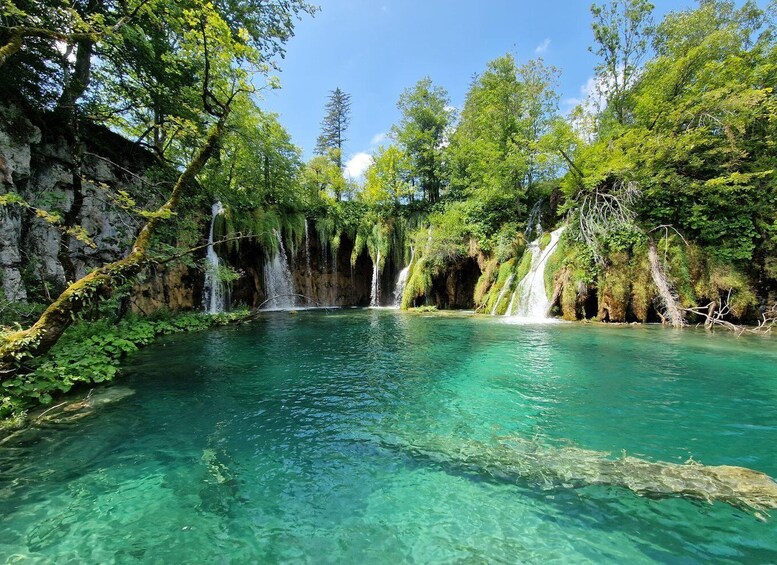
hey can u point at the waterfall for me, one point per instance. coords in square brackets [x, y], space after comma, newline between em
[277, 278]
[502, 293]
[214, 291]
[399, 290]
[308, 270]
[375, 292]
[534, 222]
[530, 296]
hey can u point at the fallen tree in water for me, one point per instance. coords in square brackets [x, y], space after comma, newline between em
[513, 459]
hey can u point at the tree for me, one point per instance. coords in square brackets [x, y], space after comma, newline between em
[333, 126]
[216, 53]
[323, 180]
[387, 180]
[426, 116]
[622, 31]
[497, 153]
[694, 161]
[259, 164]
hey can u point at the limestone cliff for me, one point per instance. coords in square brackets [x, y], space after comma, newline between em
[38, 258]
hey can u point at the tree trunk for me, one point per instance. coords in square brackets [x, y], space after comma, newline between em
[672, 311]
[11, 48]
[99, 284]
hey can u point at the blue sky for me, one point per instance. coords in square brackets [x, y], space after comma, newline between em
[374, 49]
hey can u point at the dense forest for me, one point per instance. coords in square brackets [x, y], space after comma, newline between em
[139, 115]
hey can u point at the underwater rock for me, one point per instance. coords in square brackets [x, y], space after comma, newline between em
[512, 459]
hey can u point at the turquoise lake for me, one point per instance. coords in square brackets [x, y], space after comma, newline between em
[281, 441]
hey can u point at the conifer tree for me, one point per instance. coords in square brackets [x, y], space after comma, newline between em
[333, 126]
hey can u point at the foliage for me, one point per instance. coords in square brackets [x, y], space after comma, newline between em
[388, 180]
[419, 283]
[423, 309]
[500, 150]
[622, 31]
[90, 353]
[421, 133]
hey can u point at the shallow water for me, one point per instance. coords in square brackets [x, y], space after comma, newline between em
[276, 442]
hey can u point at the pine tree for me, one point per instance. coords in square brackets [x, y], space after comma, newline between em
[333, 126]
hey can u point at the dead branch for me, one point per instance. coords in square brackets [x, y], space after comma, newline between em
[603, 213]
[666, 228]
[203, 246]
[715, 316]
[669, 309]
[310, 300]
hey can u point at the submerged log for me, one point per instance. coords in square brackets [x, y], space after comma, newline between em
[67, 412]
[513, 459]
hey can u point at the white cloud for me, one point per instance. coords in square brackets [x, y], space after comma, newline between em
[357, 164]
[378, 138]
[592, 100]
[591, 97]
[542, 47]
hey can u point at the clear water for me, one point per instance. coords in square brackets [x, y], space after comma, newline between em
[272, 443]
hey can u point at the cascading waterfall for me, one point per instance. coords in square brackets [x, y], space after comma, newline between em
[214, 292]
[530, 300]
[375, 292]
[534, 222]
[277, 278]
[502, 293]
[399, 290]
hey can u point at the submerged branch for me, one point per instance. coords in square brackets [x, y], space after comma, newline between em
[290, 295]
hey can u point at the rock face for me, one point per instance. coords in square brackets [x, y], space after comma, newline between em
[323, 275]
[455, 288]
[37, 163]
[37, 258]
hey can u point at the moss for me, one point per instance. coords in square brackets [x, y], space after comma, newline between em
[523, 267]
[683, 264]
[544, 241]
[419, 283]
[506, 269]
[16, 421]
[485, 281]
[569, 295]
[722, 282]
[615, 288]
[643, 290]
[552, 266]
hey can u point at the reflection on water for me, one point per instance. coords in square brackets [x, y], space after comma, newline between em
[270, 442]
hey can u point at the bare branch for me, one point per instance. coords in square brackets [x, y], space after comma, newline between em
[603, 213]
[715, 316]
